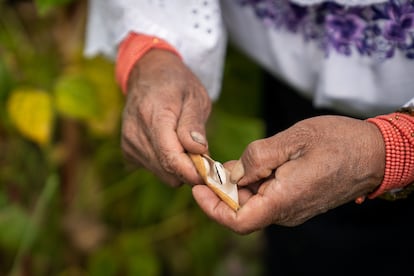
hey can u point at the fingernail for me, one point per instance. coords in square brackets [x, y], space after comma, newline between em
[237, 172]
[199, 138]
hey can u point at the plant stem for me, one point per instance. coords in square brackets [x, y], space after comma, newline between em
[38, 216]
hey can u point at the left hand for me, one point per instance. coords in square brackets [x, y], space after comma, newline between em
[166, 106]
[316, 165]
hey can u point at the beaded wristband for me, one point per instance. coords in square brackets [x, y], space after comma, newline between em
[131, 49]
[397, 130]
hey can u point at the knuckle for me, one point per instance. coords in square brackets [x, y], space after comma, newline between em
[304, 131]
[126, 138]
[132, 144]
[130, 156]
[171, 180]
[206, 105]
[138, 107]
[199, 97]
[254, 153]
[175, 183]
[143, 110]
[128, 130]
[167, 162]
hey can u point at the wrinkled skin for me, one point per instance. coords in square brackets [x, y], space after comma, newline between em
[316, 165]
[165, 103]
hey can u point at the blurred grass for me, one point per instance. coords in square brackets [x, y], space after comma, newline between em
[236, 116]
[241, 89]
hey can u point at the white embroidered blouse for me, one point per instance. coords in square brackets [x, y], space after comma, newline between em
[356, 56]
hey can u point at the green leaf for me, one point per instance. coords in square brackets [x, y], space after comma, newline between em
[31, 113]
[13, 222]
[144, 264]
[229, 134]
[76, 97]
[5, 80]
[101, 73]
[139, 255]
[45, 6]
[104, 262]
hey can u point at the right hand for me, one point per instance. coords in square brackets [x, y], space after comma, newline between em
[316, 165]
[166, 106]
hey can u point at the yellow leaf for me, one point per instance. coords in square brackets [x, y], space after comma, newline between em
[108, 99]
[76, 97]
[101, 73]
[31, 113]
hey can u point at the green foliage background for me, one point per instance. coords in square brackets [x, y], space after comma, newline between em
[69, 204]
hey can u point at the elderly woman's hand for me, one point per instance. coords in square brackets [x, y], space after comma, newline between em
[165, 114]
[316, 165]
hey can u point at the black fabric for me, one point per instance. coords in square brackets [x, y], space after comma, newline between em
[375, 238]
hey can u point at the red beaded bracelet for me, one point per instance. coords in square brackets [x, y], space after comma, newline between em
[131, 49]
[397, 130]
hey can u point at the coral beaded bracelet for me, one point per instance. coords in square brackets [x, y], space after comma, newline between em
[397, 130]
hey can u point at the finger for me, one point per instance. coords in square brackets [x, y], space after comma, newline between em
[131, 154]
[135, 144]
[253, 215]
[192, 120]
[171, 179]
[262, 157]
[237, 172]
[256, 213]
[211, 204]
[170, 152]
[229, 164]
[244, 195]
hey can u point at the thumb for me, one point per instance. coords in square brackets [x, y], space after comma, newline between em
[262, 157]
[191, 127]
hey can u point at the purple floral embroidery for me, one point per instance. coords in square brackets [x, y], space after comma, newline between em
[374, 30]
[344, 30]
